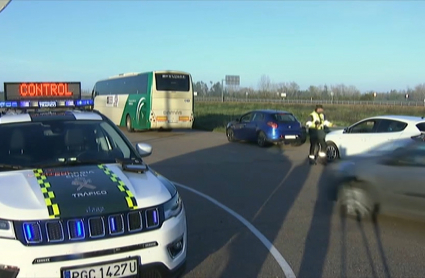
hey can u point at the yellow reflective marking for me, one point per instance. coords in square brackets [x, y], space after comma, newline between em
[49, 196]
[55, 209]
[131, 201]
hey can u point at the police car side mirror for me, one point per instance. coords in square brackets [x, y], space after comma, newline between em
[144, 149]
[345, 130]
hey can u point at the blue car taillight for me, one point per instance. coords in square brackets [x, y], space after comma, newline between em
[272, 124]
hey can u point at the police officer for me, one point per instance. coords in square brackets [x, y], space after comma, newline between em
[316, 129]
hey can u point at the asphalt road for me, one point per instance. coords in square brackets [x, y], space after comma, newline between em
[284, 198]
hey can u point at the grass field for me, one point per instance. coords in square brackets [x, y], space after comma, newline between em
[213, 116]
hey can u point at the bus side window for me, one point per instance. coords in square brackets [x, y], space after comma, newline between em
[100, 88]
[142, 83]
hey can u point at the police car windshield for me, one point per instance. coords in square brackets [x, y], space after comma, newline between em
[52, 142]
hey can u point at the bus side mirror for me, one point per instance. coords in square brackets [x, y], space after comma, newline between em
[3, 4]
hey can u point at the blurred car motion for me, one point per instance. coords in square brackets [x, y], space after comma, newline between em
[369, 133]
[385, 181]
[266, 127]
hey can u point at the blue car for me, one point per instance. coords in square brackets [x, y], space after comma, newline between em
[266, 127]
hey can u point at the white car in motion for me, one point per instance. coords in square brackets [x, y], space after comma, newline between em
[371, 132]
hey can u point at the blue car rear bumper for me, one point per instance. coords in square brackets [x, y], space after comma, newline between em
[293, 136]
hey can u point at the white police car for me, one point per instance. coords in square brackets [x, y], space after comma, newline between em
[77, 200]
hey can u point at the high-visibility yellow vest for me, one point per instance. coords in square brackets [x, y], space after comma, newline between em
[317, 117]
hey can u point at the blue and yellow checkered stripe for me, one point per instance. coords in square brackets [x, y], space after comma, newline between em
[49, 195]
[129, 197]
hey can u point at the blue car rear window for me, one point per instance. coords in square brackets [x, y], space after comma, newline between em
[284, 117]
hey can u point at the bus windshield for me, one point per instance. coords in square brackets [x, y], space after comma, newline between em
[172, 82]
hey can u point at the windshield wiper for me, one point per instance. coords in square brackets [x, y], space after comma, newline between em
[75, 162]
[128, 164]
[11, 167]
[132, 165]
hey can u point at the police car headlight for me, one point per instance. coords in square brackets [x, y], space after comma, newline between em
[6, 229]
[173, 207]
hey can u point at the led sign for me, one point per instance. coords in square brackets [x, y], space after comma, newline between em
[42, 90]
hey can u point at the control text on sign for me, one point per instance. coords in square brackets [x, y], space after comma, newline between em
[44, 90]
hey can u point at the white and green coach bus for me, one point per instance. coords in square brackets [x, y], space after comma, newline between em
[148, 100]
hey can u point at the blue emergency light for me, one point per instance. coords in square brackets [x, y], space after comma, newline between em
[28, 104]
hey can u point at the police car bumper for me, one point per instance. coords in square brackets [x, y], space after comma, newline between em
[162, 251]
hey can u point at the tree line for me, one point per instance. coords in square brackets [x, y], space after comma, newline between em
[291, 90]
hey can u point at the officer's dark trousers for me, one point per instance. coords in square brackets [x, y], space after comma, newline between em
[317, 138]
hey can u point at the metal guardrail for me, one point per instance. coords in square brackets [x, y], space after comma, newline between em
[307, 101]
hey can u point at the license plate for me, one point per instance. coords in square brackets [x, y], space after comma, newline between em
[122, 268]
[290, 137]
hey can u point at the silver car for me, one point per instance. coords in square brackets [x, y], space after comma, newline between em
[389, 181]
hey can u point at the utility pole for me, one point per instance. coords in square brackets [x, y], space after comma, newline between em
[222, 90]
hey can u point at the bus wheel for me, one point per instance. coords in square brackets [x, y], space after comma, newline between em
[128, 124]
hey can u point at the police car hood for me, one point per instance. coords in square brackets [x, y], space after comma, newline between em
[77, 191]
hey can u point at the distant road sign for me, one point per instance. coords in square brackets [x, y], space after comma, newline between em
[3, 4]
[233, 80]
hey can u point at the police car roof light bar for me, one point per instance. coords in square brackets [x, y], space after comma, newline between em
[49, 104]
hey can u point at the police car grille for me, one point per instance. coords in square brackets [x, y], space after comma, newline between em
[76, 229]
[32, 232]
[54, 231]
[116, 224]
[152, 218]
[96, 227]
[134, 221]
[87, 229]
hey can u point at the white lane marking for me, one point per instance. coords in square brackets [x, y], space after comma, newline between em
[287, 270]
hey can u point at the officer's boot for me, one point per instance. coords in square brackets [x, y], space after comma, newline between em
[322, 158]
[312, 159]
